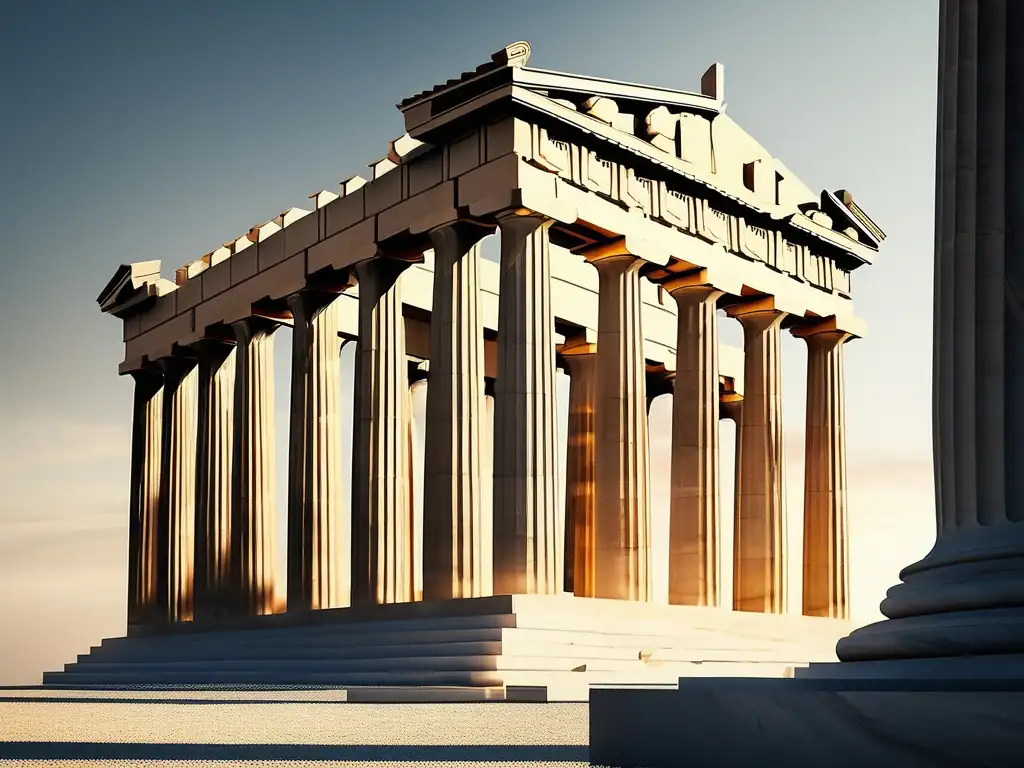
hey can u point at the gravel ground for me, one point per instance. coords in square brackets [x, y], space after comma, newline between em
[251, 732]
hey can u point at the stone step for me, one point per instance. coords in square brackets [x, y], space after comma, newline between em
[464, 663]
[515, 643]
[312, 631]
[555, 685]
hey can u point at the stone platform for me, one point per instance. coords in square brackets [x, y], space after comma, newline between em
[520, 647]
[945, 712]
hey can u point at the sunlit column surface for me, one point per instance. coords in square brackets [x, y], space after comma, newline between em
[381, 524]
[759, 569]
[581, 361]
[525, 505]
[144, 555]
[178, 486]
[315, 508]
[622, 525]
[693, 568]
[253, 499]
[214, 557]
[826, 562]
[452, 541]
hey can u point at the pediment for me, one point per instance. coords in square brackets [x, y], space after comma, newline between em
[685, 132]
[847, 213]
[130, 288]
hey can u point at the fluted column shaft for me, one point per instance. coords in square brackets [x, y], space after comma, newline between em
[964, 598]
[622, 507]
[417, 395]
[453, 461]
[144, 555]
[525, 482]
[693, 567]
[487, 503]
[382, 537]
[826, 566]
[178, 489]
[317, 577]
[252, 497]
[580, 497]
[759, 580]
[214, 455]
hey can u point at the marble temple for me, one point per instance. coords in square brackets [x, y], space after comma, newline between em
[629, 217]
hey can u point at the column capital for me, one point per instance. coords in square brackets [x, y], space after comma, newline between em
[695, 285]
[473, 230]
[630, 249]
[822, 329]
[522, 221]
[757, 314]
[307, 303]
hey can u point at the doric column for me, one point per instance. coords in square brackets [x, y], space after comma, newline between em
[252, 487]
[315, 510]
[144, 554]
[622, 505]
[759, 572]
[452, 463]
[581, 361]
[525, 466]
[417, 400]
[826, 565]
[693, 566]
[178, 486]
[214, 454]
[487, 492]
[965, 597]
[381, 525]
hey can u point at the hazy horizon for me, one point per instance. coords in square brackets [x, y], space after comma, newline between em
[139, 133]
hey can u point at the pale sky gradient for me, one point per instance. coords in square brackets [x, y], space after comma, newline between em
[136, 131]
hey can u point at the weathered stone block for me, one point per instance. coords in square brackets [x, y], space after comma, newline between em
[243, 265]
[426, 171]
[216, 279]
[345, 248]
[270, 251]
[298, 236]
[383, 192]
[346, 211]
[163, 309]
[190, 293]
[464, 154]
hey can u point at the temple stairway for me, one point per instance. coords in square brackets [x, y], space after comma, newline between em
[527, 647]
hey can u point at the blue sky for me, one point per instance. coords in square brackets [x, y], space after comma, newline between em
[136, 131]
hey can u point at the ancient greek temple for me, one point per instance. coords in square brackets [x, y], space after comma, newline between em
[628, 216]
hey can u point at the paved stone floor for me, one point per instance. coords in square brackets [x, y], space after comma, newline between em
[226, 730]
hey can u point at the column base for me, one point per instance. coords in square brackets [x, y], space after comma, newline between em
[965, 598]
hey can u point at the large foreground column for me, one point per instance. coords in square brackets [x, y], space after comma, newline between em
[966, 597]
[693, 565]
[381, 519]
[455, 408]
[759, 580]
[252, 498]
[178, 487]
[214, 557]
[314, 457]
[580, 498]
[144, 554]
[525, 505]
[826, 566]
